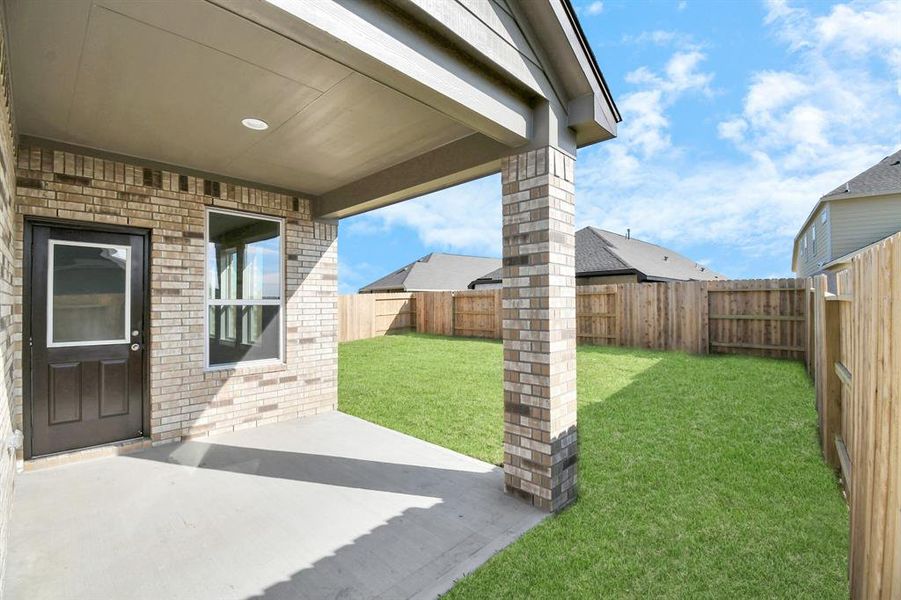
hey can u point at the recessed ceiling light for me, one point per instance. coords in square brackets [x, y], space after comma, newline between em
[253, 123]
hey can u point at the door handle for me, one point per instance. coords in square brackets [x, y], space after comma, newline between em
[135, 347]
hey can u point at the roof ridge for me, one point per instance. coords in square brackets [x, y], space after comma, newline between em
[845, 188]
[464, 255]
[632, 238]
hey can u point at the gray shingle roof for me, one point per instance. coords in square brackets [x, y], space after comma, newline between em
[655, 262]
[599, 251]
[436, 271]
[595, 254]
[882, 178]
[493, 277]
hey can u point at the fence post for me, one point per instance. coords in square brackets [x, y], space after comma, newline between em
[810, 324]
[453, 304]
[704, 319]
[372, 300]
[498, 315]
[828, 385]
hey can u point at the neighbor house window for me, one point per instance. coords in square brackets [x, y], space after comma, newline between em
[813, 238]
[244, 288]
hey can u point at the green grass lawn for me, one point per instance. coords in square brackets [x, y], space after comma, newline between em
[699, 476]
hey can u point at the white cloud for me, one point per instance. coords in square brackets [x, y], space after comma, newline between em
[857, 28]
[733, 130]
[595, 8]
[646, 126]
[682, 72]
[462, 218]
[771, 90]
[681, 4]
[663, 37]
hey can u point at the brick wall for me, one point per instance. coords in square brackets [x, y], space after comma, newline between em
[7, 375]
[186, 400]
[539, 327]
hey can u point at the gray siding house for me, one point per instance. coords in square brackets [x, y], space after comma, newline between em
[854, 215]
[606, 257]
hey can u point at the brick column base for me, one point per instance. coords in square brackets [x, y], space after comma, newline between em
[539, 322]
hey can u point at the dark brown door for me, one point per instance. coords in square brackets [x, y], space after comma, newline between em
[87, 338]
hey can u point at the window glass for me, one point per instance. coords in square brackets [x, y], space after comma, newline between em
[243, 288]
[243, 258]
[88, 294]
[243, 333]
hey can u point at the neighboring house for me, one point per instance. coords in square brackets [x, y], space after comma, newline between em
[606, 257]
[851, 217]
[434, 272]
[190, 162]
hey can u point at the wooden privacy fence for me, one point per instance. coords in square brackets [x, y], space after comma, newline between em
[761, 317]
[362, 316]
[855, 359]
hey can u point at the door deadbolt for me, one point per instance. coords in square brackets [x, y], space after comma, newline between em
[135, 333]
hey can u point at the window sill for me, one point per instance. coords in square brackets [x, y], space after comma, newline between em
[248, 368]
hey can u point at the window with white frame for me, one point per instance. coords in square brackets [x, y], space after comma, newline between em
[244, 288]
[813, 238]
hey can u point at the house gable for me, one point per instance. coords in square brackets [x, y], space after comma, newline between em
[859, 212]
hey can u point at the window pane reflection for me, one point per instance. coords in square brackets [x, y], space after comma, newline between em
[89, 293]
[243, 333]
[243, 261]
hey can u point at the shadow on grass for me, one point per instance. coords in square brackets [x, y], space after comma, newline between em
[699, 476]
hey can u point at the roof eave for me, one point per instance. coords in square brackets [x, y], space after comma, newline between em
[589, 106]
[609, 272]
[585, 47]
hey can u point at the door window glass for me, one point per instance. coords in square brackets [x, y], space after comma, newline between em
[88, 294]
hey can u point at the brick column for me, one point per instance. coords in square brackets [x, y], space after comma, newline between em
[539, 321]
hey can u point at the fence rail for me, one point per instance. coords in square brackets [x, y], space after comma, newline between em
[855, 359]
[762, 317]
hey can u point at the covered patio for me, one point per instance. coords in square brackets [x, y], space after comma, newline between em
[173, 176]
[322, 507]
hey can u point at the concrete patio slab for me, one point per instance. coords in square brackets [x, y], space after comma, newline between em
[324, 507]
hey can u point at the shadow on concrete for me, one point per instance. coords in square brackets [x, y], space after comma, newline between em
[451, 520]
[322, 469]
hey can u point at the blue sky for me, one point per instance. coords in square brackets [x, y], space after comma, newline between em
[737, 117]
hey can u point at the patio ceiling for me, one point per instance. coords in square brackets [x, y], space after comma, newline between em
[367, 103]
[173, 85]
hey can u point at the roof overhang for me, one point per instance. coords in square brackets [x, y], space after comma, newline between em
[368, 103]
[592, 113]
